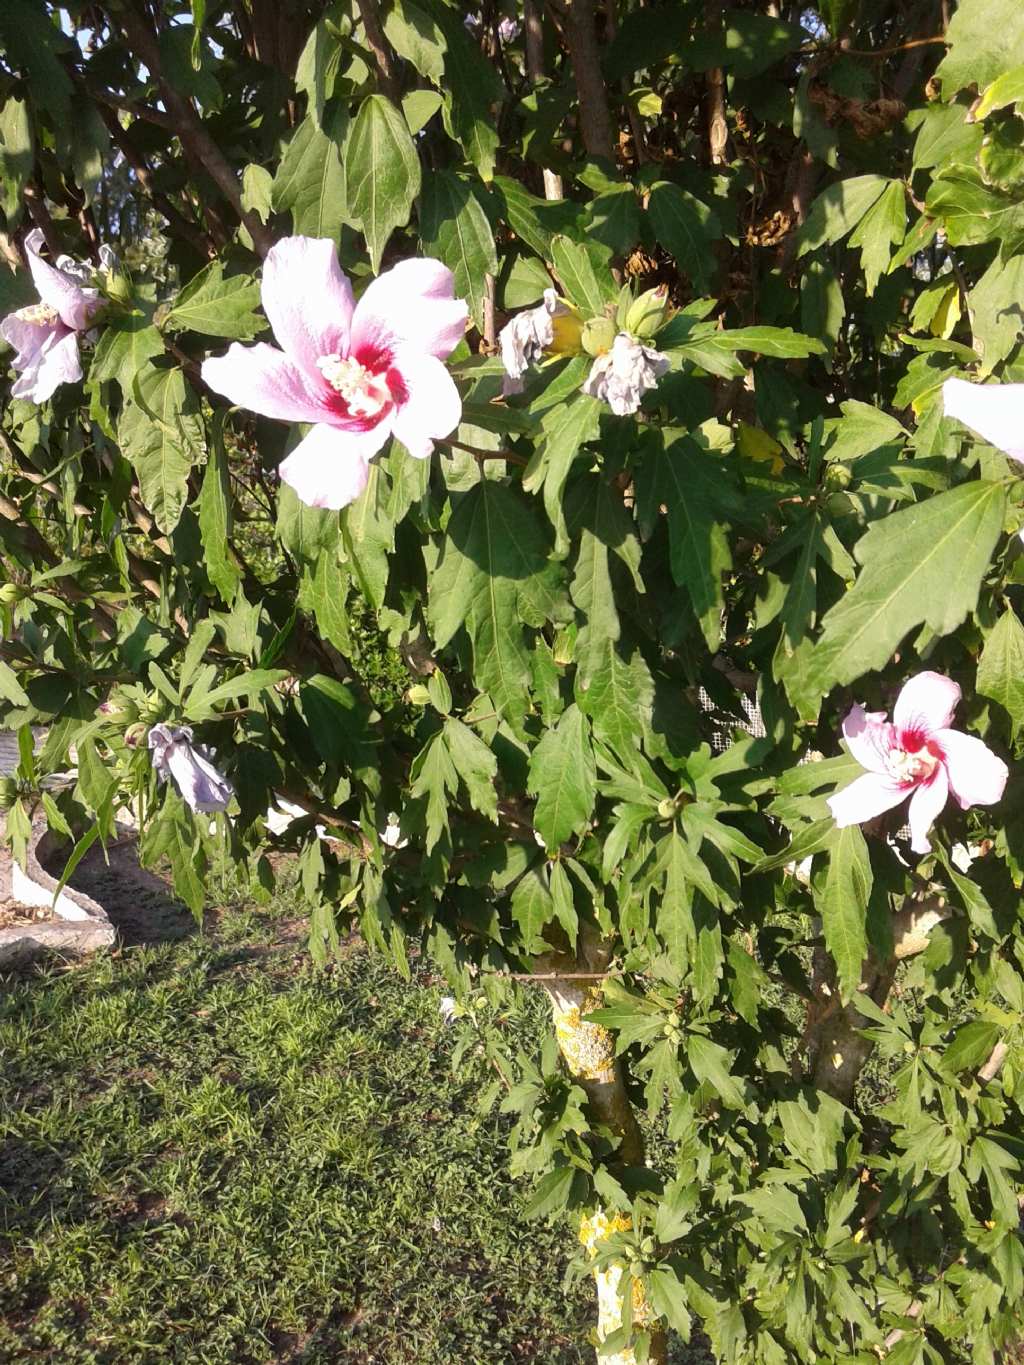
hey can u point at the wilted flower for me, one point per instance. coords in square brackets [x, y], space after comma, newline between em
[625, 373]
[508, 30]
[201, 786]
[994, 411]
[391, 834]
[45, 334]
[917, 755]
[359, 372]
[449, 1008]
[524, 340]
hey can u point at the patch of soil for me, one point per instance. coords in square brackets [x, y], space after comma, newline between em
[140, 905]
[13, 914]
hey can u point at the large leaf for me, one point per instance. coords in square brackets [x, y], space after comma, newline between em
[921, 565]
[986, 39]
[843, 905]
[382, 172]
[838, 209]
[563, 778]
[565, 428]
[218, 307]
[687, 228]
[310, 181]
[454, 227]
[494, 575]
[162, 435]
[1001, 667]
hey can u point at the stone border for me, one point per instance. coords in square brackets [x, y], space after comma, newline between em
[79, 925]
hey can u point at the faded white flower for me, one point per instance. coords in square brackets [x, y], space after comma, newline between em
[448, 1008]
[524, 339]
[508, 30]
[625, 373]
[391, 834]
[202, 787]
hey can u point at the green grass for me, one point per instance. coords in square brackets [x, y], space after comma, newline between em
[212, 1151]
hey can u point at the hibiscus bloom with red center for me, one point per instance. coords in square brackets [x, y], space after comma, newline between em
[916, 755]
[358, 372]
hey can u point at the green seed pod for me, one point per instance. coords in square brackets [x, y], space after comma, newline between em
[838, 477]
[598, 335]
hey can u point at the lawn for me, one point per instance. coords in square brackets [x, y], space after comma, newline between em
[213, 1151]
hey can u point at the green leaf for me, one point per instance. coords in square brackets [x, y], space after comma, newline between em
[746, 43]
[923, 564]
[16, 156]
[676, 927]
[843, 905]
[687, 228]
[562, 902]
[973, 213]
[382, 173]
[31, 41]
[534, 221]
[838, 209]
[552, 1193]
[471, 89]
[863, 428]
[585, 272]
[127, 343]
[249, 684]
[971, 1046]
[781, 342]
[216, 519]
[435, 779]
[1001, 667]
[494, 574]
[668, 1298]
[532, 909]
[986, 38]
[476, 765]
[882, 227]
[218, 307]
[565, 428]
[712, 1065]
[1006, 89]
[454, 227]
[10, 688]
[995, 326]
[563, 778]
[162, 434]
[328, 588]
[310, 181]
[415, 36]
[419, 107]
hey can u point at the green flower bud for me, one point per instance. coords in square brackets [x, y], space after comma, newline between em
[648, 313]
[11, 593]
[8, 792]
[598, 335]
[666, 808]
[838, 477]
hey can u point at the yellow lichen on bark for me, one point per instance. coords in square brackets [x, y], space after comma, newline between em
[588, 1048]
[596, 1228]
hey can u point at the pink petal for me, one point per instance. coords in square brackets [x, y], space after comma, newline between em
[976, 776]
[866, 797]
[307, 299]
[432, 408]
[53, 363]
[869, 738]
[264, 380]
[994, 411]
[926, 805]
[413, 304]
[73, 303]
[329, 467]
[926, 703]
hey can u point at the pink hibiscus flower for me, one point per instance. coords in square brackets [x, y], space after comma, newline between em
[359, 372]
[919, 756]
[45, 334]
[994, 411]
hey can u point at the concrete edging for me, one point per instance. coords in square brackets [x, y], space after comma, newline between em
[79, 924]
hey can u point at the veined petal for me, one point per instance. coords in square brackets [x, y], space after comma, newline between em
[264, 380]
[866, 797]
[926, 703]
[73, 302]
[976, 775]
[413, 304]
[308, 299]
[54, 363]
[926, 806]
[432, 407]
[869, 738]
[329, 468]
[994, 411]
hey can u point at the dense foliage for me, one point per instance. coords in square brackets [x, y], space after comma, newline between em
[630, 633]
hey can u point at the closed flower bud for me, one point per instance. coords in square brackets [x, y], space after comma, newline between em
[838, 477]
[649, 313]
[8, 792]
[11, 593]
